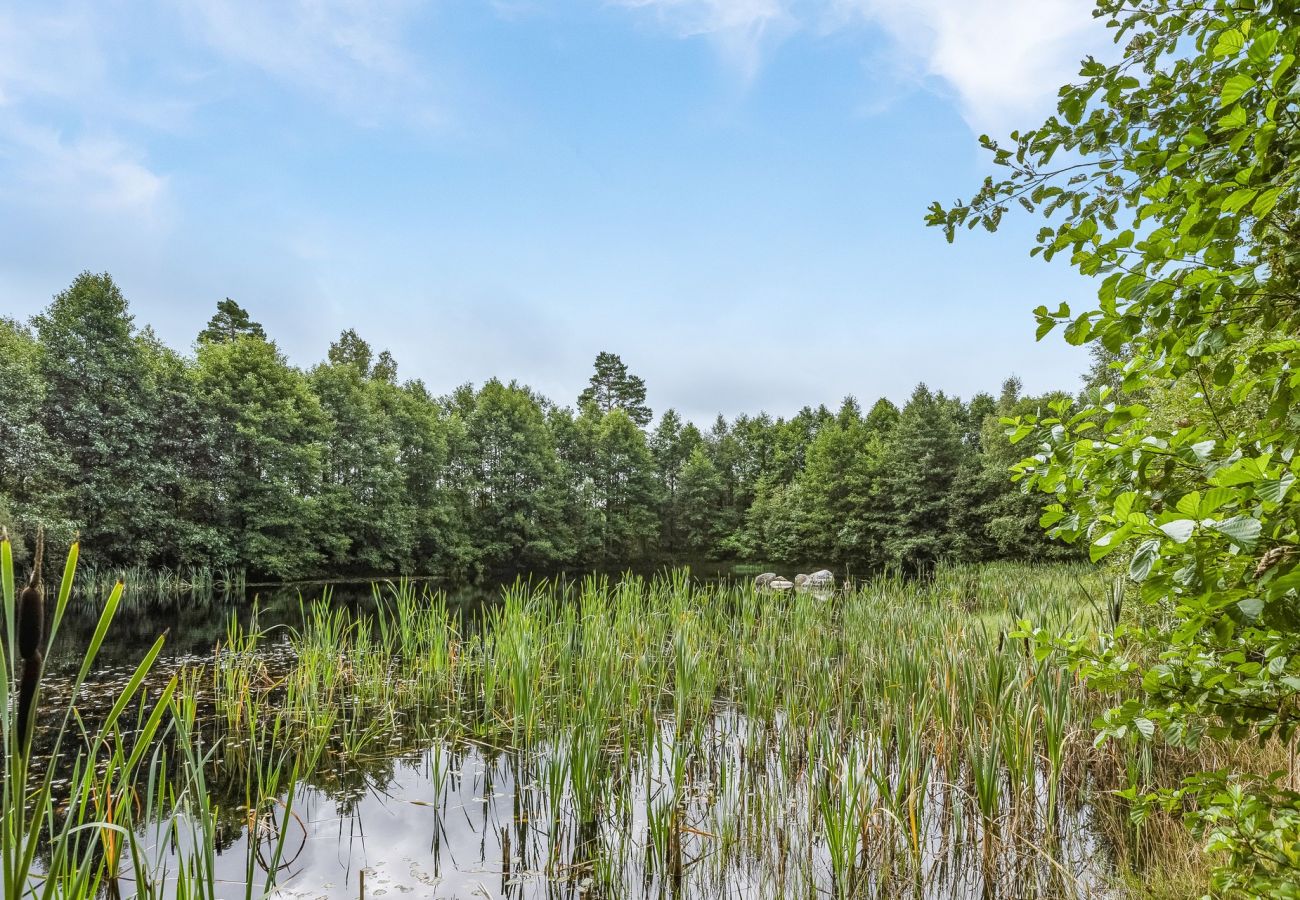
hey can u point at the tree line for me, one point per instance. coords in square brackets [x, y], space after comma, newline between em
[231, 457]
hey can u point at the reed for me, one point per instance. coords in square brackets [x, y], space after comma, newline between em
[682, 736]
[83, 790]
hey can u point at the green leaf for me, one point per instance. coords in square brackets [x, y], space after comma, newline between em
[1262, 47]
[1241, 530]
[1229, 42]
[1234, 88]
[1077, 331]
[1179, 530]
[1107, 544]
[1251, 606]
[1265, 203]
[1238, 199]
[1139, 567]
[1124, 504]
[1275, 490]
[1237, 118]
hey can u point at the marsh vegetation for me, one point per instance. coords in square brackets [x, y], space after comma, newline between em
[612, 737]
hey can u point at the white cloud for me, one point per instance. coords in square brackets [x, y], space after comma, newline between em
[61, 152]
[93, 173]
[350, 51]
[741, 29]
[1002, 59]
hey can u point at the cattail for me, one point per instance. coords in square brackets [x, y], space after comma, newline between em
[31, 632]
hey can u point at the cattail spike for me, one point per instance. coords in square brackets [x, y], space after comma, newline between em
[31, 633]
[27, 685]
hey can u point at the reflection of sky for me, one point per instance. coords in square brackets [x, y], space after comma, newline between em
[450, 824]
[466, 821]
[410, 839]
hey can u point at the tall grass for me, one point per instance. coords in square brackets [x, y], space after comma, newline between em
[92, 802]
[679, 736]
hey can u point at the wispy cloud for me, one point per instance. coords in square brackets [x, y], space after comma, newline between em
[60, 147]
[1002, 59]
[94, 173]
[742, 30]
[353, 53]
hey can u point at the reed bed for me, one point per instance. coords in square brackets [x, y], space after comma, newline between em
[667, 737]
[196, 584]
[104, 798]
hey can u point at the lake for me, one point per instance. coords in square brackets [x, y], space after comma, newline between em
[671, 736]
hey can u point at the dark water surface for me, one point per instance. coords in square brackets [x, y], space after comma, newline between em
[194, 625]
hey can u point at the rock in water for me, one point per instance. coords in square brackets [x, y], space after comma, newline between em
[764, 580]
[780, 584]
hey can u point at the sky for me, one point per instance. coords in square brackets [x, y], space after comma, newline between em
[729, 194]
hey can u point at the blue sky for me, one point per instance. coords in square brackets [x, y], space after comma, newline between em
[728, 193]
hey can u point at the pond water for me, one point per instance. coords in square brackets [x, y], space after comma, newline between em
[194, 625]
[481, 818]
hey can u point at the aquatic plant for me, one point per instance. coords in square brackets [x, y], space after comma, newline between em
[84, 787]
[695, 737]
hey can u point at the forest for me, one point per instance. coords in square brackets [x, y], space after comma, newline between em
[231, 457]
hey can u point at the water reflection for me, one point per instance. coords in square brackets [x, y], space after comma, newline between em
[730, 809]
[475, 821]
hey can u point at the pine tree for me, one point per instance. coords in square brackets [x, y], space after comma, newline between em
[229, 322]
[613, 387]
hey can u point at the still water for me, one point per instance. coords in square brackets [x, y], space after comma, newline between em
[472, 819]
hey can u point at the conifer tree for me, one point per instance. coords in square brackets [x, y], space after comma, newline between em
[230, 321]
[613, 387]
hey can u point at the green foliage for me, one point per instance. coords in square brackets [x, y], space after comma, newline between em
[613, 387]
[919, 471]
[234, 459]
[229, 322]
[671, 445]
[267, 430]
[627, 491]
[700, 494]
[363, 500]
[33, 466]
[105, 420]
[1178, 186]
[514, 479]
